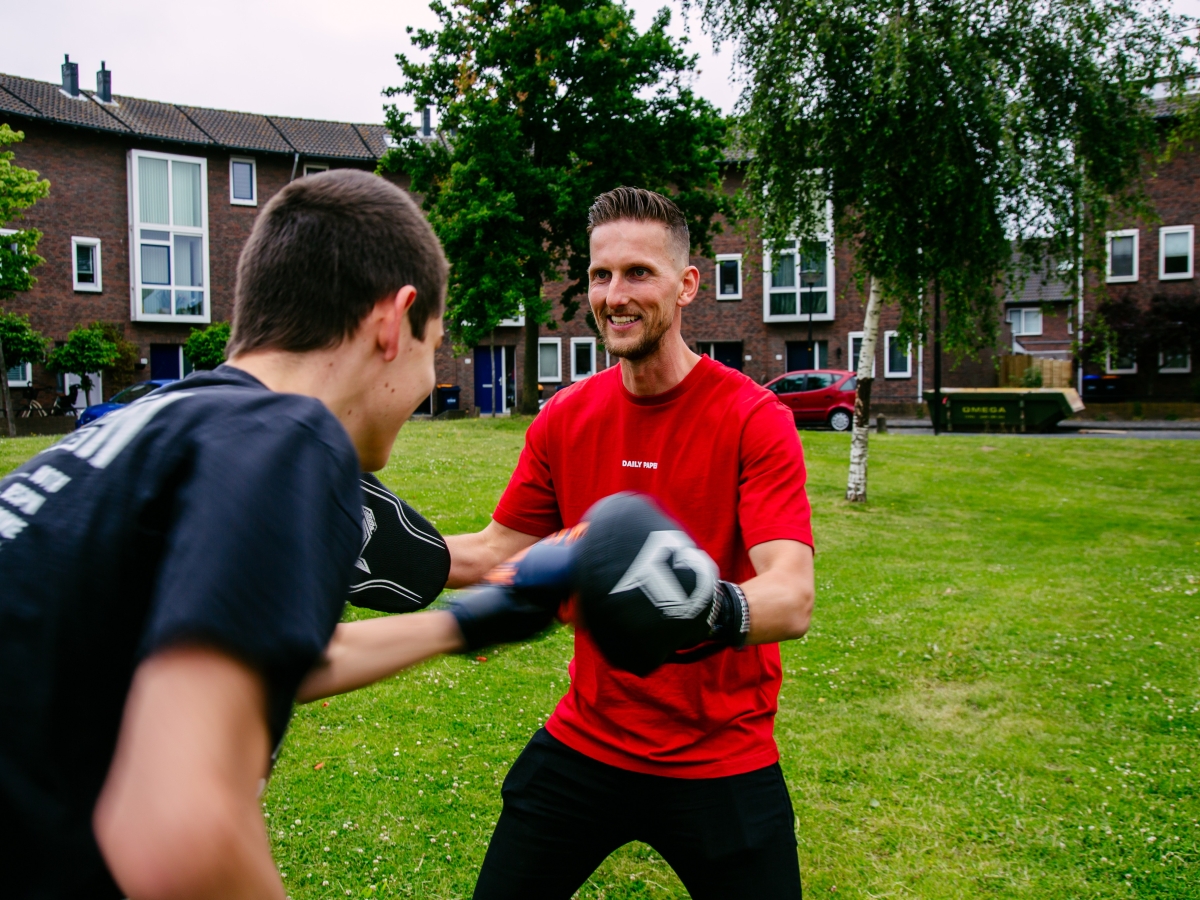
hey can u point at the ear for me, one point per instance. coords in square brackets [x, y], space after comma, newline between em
[689, 286]
[392, 314]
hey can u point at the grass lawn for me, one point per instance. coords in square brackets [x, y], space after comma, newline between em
[1000, 695]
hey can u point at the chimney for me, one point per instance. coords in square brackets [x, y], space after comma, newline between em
[104, 84]
[426, 122]
[70, 76]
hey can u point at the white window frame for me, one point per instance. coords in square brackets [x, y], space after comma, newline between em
[516, 321]
[1174, 370]
[830, 286]
[888, 337]
[1108, 239]
[94, 243]
[135, 227]
[314, 168]
[1022, 310]
[1190, 231]
[22, 382]
[575, 342]
[249, 160]
[850, 339]
[557, 344]
[728, 257]
[1109, 370]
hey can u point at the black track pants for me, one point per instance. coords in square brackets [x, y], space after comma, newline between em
[564, 813]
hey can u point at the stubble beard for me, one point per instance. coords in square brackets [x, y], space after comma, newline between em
[653, 332]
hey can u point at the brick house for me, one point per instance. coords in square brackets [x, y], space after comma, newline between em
[151, 203]
[149, 206]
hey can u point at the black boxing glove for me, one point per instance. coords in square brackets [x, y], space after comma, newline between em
[647, 592]
[519, 597]
[404, 562]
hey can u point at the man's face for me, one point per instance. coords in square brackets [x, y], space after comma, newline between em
[634, 286]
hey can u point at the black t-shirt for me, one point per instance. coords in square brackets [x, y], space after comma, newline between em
[211, 511]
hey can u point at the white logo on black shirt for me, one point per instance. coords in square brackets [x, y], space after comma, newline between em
[103, 440]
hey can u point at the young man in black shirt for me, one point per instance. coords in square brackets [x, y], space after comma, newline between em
[172, 576]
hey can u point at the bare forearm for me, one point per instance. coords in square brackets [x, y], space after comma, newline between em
[178, 817]
[780, 598]
[473, 555]
[361, 653]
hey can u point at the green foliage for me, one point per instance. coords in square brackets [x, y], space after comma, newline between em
[128, 353]
[542, 106]
[941, 131]
[1031, 378]
[206, 347]
[1007, 710]
[20, 342]
[19, 189]
[87, 349]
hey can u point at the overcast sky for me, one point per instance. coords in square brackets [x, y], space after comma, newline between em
[308, 58]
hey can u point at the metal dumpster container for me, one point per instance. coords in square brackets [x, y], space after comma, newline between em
[1004, 409]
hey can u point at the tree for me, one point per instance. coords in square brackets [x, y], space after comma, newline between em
[19, 190]
[19, 344]
[88, 349]
[940, 133]
[543, 104]
[206, 347]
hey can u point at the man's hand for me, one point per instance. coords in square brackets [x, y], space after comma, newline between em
[179, 816]
[472, 556]
[649, 595]
[520, 596]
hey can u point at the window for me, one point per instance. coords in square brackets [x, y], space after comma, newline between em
[550, 359]
[169, 251]
[1122, 361]
[20, 376]
[729, 276]
[1123, 255]
[314, 168]
[792, 384]
[856, 342]
[583, 358]
[85, 263]
[243, 181]
[899, 357]
[1025, 321]
[1175, 252]
[800, 283]
[1176, 361]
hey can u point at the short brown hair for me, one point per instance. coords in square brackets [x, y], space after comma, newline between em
[323, 252]
[642, 205]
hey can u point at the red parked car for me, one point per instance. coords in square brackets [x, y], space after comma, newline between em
[818, 396]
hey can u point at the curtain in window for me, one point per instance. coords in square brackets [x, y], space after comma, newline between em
[897, 356]
[152, 190]
[243, 181]
[186, 193]
[189, 264]
[548, 361]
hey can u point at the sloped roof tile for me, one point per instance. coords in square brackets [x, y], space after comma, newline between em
[194, 124]
[147, 118]
[335, 140]
[51, 103]
[239, 130]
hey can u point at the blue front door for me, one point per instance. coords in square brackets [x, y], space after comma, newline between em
[489, 374]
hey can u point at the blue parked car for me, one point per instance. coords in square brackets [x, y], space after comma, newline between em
[131, 393]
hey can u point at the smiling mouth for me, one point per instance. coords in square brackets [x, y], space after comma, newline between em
[623, 320]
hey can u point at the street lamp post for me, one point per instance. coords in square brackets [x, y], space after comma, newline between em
[808, 278]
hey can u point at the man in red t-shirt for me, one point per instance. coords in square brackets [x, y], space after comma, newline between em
[683, 759]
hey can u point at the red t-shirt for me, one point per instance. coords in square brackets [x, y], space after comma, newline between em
[721, 455]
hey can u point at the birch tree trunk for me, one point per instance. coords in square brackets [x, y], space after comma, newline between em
[856, 486]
